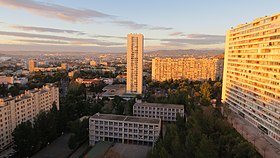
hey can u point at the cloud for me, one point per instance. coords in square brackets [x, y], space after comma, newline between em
[108, 36]
[54, 11]
[195, 39]
[130, 24]
[123, 37]
[160, 28]
[136, 26]
[42, 41]
[72, 14]
[60, 38]
[177, 34]
[44, 29]
[60, 48]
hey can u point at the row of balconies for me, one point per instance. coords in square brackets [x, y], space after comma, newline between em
[257, 116]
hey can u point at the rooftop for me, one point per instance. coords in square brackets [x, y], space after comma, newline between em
[126, 118]
[115, 89]
[159, 105]
[255, 22]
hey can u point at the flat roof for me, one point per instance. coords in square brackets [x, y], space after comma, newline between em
[112, 90]
[125, 118]
[178, 106]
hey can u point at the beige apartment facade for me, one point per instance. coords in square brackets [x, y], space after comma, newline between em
[166, 112]
[135, 47]
[251, 82]
[22, 108]
[186, 68]
[123, 129]
[32, 65]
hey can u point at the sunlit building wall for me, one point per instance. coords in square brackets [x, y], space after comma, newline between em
[186, 68]
[251, 82]
[135, 46]
[32, 65]
[25, 107]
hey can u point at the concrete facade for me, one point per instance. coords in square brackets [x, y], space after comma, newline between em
[166, 112]
[251, 82]
[135, 48]
[123, 129]
[22, 108]
[186, 68]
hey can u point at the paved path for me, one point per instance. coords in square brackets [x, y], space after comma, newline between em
[80, 151]
[263, 143]
[7, 152]
[57, 149]
[130, 150]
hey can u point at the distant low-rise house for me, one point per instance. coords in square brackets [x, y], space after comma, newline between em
[121, 78]
[6, 80]
[21, 80]
[108, 80]
[13, 80]
[87, 82]
[73, 73]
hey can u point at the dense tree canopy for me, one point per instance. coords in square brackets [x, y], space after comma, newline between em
[206, 133]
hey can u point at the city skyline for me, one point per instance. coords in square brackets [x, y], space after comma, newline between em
[87, 25]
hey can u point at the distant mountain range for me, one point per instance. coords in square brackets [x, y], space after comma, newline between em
[212, 52]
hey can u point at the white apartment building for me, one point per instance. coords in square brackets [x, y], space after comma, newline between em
[135, 47]
[166, 112]
[25, 107]
[123, 129]
[186, 68]
[251, 82]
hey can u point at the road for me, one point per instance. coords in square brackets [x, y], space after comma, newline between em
[57, 149]
[263, 143]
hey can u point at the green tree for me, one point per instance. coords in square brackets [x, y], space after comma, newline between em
[25, 139]
[206, 148]
[205, 94]
[79, 130]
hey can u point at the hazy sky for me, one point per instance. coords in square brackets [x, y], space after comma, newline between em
[102, 25]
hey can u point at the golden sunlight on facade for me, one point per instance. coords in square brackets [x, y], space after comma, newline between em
[135, 47]
[186, 68]
[251, 82]
[25, 107]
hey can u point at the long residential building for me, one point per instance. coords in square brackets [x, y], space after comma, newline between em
[166, 112]
[251, 82]
[186, 68]
[123, 129]
[135, 48]
[25, 107]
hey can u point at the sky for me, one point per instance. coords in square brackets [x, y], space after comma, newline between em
[102, 25]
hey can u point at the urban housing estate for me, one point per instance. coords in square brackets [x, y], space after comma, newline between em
[25, 107]
[166, 112]
[186, 68]
[123, 129]
[251, 82]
